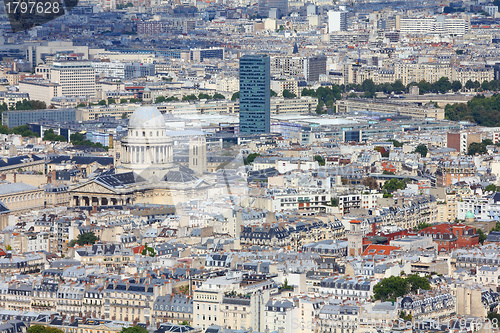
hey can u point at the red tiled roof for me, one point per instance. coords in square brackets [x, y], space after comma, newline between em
[383, 250]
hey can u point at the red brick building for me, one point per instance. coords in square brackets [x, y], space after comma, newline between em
[451, 236]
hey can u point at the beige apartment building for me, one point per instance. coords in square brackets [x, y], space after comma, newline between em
[21, 197]
[76, 78]
[40, 90]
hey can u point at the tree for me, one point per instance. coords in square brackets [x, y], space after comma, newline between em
[50, 135]
[334, 202]
[102, 102]
[111, 101]
[123, 100]
[390, 288]
[250, 158]
[160, 99]
[184, 323]
[172, 99]
[134, 329]
[288, 94]
[396, 286]
[189, 98]
[421, 149]
[369, 88]
[235, 96]
[395, 184]
[396, 143]
[218, 96]
[491, 188]
[385, 172]
[204, 96]
[469, 85]
[422, 225]
[75, 137]
[482, 236]
[476, 148]
[273, 93]
[43, 329]
[87, 238]
[442, 85]
[485, 86]
[124, 115]
[320, 160]
[398, 86]
[416, 282]
[370, 182]
[456, 86]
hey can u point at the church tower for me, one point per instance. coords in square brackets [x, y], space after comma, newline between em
[198, 154]
[355, 239]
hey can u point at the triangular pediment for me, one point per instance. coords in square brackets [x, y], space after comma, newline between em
[93, 187]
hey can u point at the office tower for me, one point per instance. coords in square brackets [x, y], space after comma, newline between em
[266, 5]
[337, 21]
[255, 99]
[314, 67]
[76, 78]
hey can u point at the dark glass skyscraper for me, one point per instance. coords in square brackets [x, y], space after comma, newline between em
[255, 98]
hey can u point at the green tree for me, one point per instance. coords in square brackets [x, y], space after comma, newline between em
[416, 282]
[482, 235]
[250, 158]
[395, 184]
[320, 159]
[87, 238]
[288, 94]
[123, 100]
[456, 86]
[476, 148]
[50, 135]
[390, 288]
[43, 329]
[235, 96]
[218, 96]
[469, 85]
[184, 323]
[160, 99]
[134, 329]
[124, 115]
[491, 188]
[75, 137]
[369, 88]
[422, 225]
[172, 99]
[189, 98]
[398, 87]
[421, 149]
[273, 93]
[111, 101]
[102, 102]
[204, 96]
[396, 143]
[334, 202]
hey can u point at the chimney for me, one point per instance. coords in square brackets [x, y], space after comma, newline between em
[49, 178]
[3, 176]
[15, 177]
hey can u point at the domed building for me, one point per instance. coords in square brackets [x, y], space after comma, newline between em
[147, 149]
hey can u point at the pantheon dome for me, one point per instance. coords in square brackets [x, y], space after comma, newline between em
[147, 150]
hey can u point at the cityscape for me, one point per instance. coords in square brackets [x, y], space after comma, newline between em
[249, 166]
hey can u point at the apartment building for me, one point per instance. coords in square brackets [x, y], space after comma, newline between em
[76, 78]
[133, 299]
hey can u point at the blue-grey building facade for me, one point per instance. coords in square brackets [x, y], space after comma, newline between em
[255, 94]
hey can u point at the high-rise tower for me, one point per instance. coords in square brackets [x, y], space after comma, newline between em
[255, 98]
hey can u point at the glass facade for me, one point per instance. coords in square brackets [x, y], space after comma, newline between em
[255, 99]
